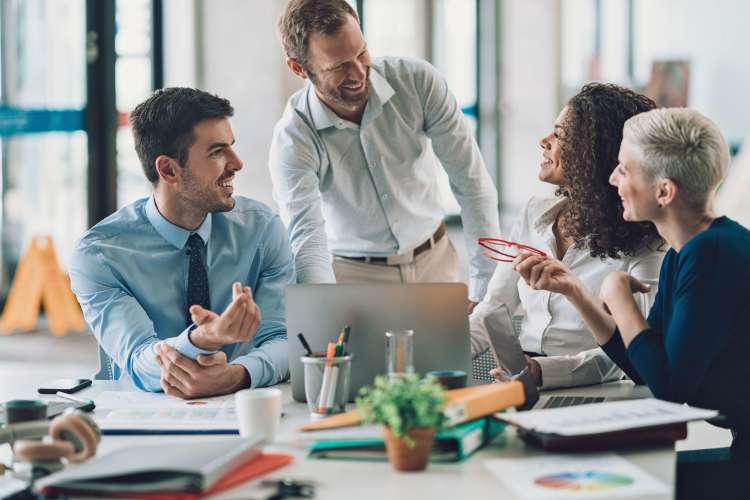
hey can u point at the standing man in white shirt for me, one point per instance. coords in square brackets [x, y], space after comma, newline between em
[355, 155]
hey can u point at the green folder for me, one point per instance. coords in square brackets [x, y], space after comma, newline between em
[451, 445]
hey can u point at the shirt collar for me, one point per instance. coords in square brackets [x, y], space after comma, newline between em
[323, 117]
[175, 235]
[547, 217]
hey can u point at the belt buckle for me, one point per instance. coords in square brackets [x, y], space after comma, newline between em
[395, 260]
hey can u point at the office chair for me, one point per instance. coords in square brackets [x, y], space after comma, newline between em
[105, 367]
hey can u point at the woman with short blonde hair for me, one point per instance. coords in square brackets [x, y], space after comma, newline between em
[693, 346]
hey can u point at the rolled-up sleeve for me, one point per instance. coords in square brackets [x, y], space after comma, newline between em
[458, 152]
[293, 163]
[267, 363]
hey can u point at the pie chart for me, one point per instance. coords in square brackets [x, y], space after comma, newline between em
[583, 481]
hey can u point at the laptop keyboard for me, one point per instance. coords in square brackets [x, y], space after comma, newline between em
[562, 401]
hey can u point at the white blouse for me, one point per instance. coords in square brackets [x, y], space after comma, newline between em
[551, 325]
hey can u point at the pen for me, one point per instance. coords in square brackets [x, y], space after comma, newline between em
[304, 343]
[67, 396]
[347, 330]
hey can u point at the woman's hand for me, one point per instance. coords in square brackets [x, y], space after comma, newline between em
[620, 285]
[617, 293]
[546, 273]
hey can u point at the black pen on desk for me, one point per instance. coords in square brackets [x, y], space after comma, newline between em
[304, 343]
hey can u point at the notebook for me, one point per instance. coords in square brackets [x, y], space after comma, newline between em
[187, 466]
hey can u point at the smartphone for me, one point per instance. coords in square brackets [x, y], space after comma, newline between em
[67, 385]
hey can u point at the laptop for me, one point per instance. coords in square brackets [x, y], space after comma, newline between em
[436, 312]
[509, 356]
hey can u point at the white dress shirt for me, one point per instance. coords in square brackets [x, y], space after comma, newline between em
[371, 189]
[551, 325]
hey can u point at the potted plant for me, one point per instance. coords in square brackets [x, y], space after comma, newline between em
[411, 411]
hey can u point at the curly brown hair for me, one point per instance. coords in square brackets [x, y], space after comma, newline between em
[590, 142]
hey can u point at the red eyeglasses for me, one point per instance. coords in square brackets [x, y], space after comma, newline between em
[496, 245]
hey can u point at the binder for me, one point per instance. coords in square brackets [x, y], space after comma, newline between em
[451, 445]
[608, 425]
[463, 405]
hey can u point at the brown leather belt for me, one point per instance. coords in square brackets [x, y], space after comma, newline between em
[408, 257]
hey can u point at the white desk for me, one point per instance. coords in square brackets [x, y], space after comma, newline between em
[374, 480]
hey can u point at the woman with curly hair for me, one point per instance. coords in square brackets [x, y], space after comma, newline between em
[583, 228]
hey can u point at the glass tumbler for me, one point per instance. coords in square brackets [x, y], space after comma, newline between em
[399, 352]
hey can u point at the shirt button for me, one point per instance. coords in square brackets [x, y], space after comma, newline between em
[385, 196]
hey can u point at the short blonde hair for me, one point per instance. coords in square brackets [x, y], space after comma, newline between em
[683, 145]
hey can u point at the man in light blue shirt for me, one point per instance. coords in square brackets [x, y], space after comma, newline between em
[355, 156]
[184, 289]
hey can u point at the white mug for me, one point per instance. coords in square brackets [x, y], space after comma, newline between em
[258, 412]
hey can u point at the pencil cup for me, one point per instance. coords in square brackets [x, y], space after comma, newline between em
[327, 383]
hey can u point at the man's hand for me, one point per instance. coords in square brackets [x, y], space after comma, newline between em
[546, 273]
[209, 375]
[472, 305]
[238, 323]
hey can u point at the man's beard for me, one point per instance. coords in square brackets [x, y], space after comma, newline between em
[335, 95]
[206, 198]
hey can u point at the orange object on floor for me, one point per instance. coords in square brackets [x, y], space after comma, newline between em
[39, 281]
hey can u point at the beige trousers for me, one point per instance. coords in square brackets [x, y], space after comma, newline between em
[439, 264]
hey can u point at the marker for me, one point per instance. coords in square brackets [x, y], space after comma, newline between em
[67, 396]
[304, 343]
[325, 386]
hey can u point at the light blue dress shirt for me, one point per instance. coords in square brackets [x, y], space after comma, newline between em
[371, 189]
[130, 273]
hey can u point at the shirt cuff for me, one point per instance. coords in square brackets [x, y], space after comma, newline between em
[555, 372]
[639, 341]
[252, 367]
[184, 346]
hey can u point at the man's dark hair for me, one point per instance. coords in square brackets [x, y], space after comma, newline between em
[302, 18]
[163, 124]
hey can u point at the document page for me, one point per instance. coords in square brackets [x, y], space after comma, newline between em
[611, 416]
[143, 411]
[604, 475]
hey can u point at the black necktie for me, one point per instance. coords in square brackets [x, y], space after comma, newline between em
[197, 285]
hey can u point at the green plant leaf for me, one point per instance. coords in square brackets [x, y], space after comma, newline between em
[403, 403]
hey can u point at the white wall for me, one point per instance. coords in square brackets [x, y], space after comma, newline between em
[530, 74]
[713, 36]
[243, 61]
[230, 48]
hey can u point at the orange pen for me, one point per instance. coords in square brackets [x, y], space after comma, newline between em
[325, 388]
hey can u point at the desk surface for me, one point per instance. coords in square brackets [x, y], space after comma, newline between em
[344, 479]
